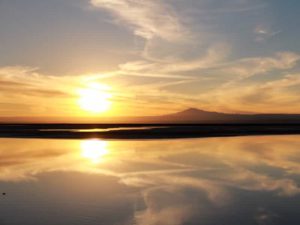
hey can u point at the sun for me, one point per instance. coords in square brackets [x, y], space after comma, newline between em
[95, 98]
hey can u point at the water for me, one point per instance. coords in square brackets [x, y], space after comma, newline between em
[209, 181]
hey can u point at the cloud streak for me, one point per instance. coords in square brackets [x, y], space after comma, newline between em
[148, 19]
[248, 67]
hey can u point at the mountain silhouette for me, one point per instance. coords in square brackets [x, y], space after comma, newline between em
[187, 116]
[194, 115]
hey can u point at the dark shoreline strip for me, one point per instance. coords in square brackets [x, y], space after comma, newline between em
[162, 132]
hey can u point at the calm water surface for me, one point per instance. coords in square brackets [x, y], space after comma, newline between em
[209, 181]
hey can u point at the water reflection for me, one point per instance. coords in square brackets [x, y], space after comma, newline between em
[94, 150]
[241, 180]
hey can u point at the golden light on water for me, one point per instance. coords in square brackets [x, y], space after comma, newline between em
[95, 98]
[94, 150]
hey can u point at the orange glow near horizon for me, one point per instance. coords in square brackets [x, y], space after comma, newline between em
[95, 98]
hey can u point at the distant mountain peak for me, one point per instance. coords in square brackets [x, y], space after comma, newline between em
[193, 113]
[192, 110]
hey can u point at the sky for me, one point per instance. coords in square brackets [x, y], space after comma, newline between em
[98, 58]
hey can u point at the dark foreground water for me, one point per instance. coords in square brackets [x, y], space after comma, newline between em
[209, 181]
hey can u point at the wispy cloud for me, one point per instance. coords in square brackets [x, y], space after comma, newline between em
[232, 94]
[269, 97]
[148, 19]
[168, 63]
[264, 32]
[27, 92]
[248, 67]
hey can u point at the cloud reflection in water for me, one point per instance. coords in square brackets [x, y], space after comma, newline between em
[242, 180]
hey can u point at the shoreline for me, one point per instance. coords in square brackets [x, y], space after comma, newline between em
[155, 131]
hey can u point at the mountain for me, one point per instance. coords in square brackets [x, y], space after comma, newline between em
[194, 115]
[188, 116]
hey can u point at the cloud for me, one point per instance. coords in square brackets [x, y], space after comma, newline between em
[264, 32]
[274, 94]
[277, 96]
[287, 81]
[27, 92]
[158, 83]
[248, 67]
[148, 19]
[265, 216]
[215, 60]
[188, 51]
[214, 56]
[229, 92]
[165, 31]
[235, 6]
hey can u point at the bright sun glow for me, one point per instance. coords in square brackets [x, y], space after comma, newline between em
[94, 150]
[95, 98]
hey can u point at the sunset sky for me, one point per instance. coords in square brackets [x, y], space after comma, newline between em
[94, 58]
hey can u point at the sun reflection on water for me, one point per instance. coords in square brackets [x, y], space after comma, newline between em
[94, 150]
